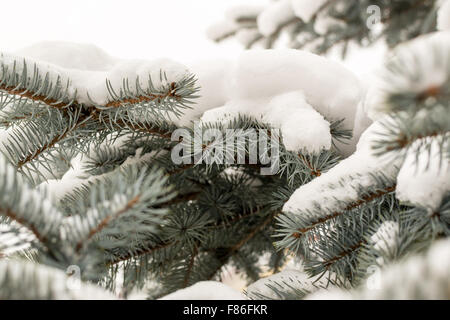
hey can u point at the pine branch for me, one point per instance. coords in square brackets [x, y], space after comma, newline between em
[364, 200]
[52, 143]
[24, 222]
[25, 93]
[142, 252]
[28, 207]
[343, 254]
[172, 93]
[231, 251]
[130, 204]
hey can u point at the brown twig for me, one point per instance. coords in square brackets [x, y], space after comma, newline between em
[149, 98]
[32, 96]
[25, 223]
[190, 267]
[142, 252]
[315, 173]
[344, 253]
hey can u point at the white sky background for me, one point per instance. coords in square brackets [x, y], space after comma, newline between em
[132, 28]
[124, 28]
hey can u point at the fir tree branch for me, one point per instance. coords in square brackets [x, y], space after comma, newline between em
[343, 254]
[57, 139]
[143, 127]
[171, 93]
[364, 200]
[130, 204]
[231, 251]
[25, 93]
[22, 221]
[142, 252]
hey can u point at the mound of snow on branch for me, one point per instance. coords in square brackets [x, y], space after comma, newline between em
[358, 170]
[290, 89]
[87, 68]
[422, 56]
[206, 290]
[444, 16]
[296, 91]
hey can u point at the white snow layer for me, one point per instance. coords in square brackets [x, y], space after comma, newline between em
[221, 29]
[257, 83]
[53, 281]
[385, 239]
[289, 89]
[444, 16]
[274, 16]
[292, 278]
[356, 171]
[238, 12]
[424, 180]
[306, 9]
[88, 67]
[302, 127]
[286, 281]
[206, 290]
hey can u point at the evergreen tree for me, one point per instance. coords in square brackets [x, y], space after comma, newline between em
[104, 177]
[323, 24]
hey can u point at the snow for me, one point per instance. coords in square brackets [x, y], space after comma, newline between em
[304, 128]
[385, 239]
[444, 16]
[213, 76]
[52, 282]
[286, 281]
[293, 278]
[417, 57]
[257, 81]
[419, 277]
[306, 9]
[247, 36]
[424, 180]
[69, 55]
[221, 29]
[242, 11]
[358, 170]
[324, 23]
[14, 238]
[275, 15]
[87, 68]
[206, 290]
[328, 86]
[270, 84]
